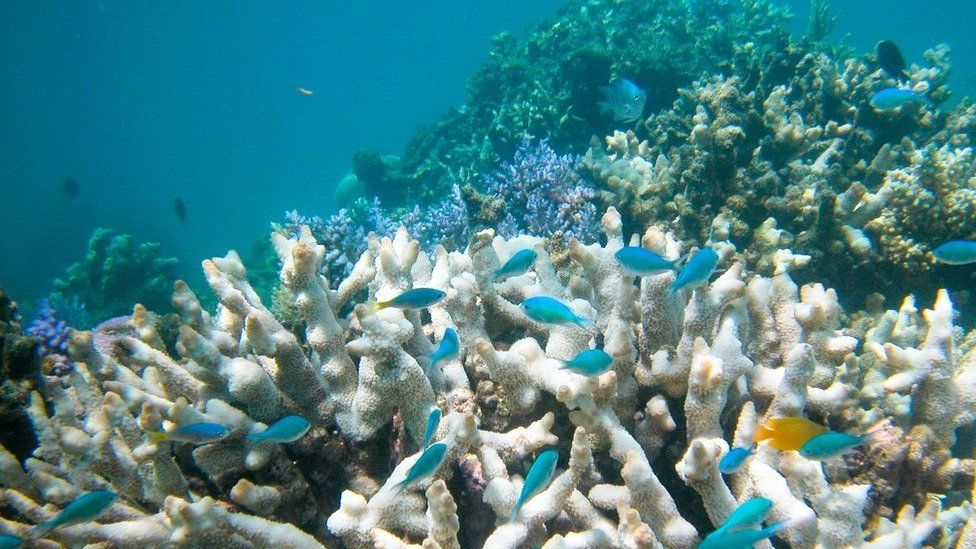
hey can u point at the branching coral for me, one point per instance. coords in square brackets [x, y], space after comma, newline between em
[345, 232]
[542, 194]
[52, 334]
[727, 355]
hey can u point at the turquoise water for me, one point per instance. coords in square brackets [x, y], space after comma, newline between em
[144, 103]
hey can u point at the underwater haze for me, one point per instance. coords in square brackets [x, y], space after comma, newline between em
[598, 274]
[145, 102]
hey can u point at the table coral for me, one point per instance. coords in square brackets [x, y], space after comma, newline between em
[693, 374]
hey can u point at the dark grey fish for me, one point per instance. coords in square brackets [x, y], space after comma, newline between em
[179, 208]
[70, 188]
[623, 99]
[891, 60]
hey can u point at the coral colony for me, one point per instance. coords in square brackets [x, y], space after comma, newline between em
[568, 345]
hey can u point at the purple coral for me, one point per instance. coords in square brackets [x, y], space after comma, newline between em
[343, 236]
[344, 233]
[53, 335]
[543, 194]
[445, 221]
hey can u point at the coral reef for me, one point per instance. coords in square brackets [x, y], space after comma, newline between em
[788, 152]
[693, 373]
[765, 140]
[539, 193]
[344, 233]
[115, 273]
[546, 86]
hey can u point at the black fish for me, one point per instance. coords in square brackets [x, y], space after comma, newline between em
[891, 60]
[70, 188]
[179, 208]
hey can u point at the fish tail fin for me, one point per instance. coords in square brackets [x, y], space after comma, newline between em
[254, 438]
[43, 528]
[515, 513]
[399, 487]
[380, 305]
[774, 528]
[585, 323]
[156, 436]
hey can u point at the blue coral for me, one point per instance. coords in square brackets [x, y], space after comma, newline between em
[544, 194]
[52, 334]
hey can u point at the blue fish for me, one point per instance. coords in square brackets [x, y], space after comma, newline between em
[448, 349]
[697, 271]
[956, 252]
[550, 311]
[892, 98]
[752, 512]
[739, 539]
[733, 461]
[425, 466]
[623, 99]
[417, 298]
[83, 509]
[8, 541]
[637, 261]
[831, 444]
[286, 429]
[194, 433]
[433, 420]
[538, 478]
[518, 264]
[592, 362]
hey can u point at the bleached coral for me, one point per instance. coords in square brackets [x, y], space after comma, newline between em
[726, 355]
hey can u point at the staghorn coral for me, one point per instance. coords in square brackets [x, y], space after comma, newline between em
[345, 232]
[52, 334]
[117, 272]
[542, 194]
[719, 359]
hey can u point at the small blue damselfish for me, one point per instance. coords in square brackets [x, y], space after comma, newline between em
[551, 311]
[537, 479]
[417, 298]
[519, 263]
[697, 271]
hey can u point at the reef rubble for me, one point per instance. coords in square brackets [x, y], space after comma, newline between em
[693, 373]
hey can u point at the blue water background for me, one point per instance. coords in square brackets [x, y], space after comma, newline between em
[144, 101]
